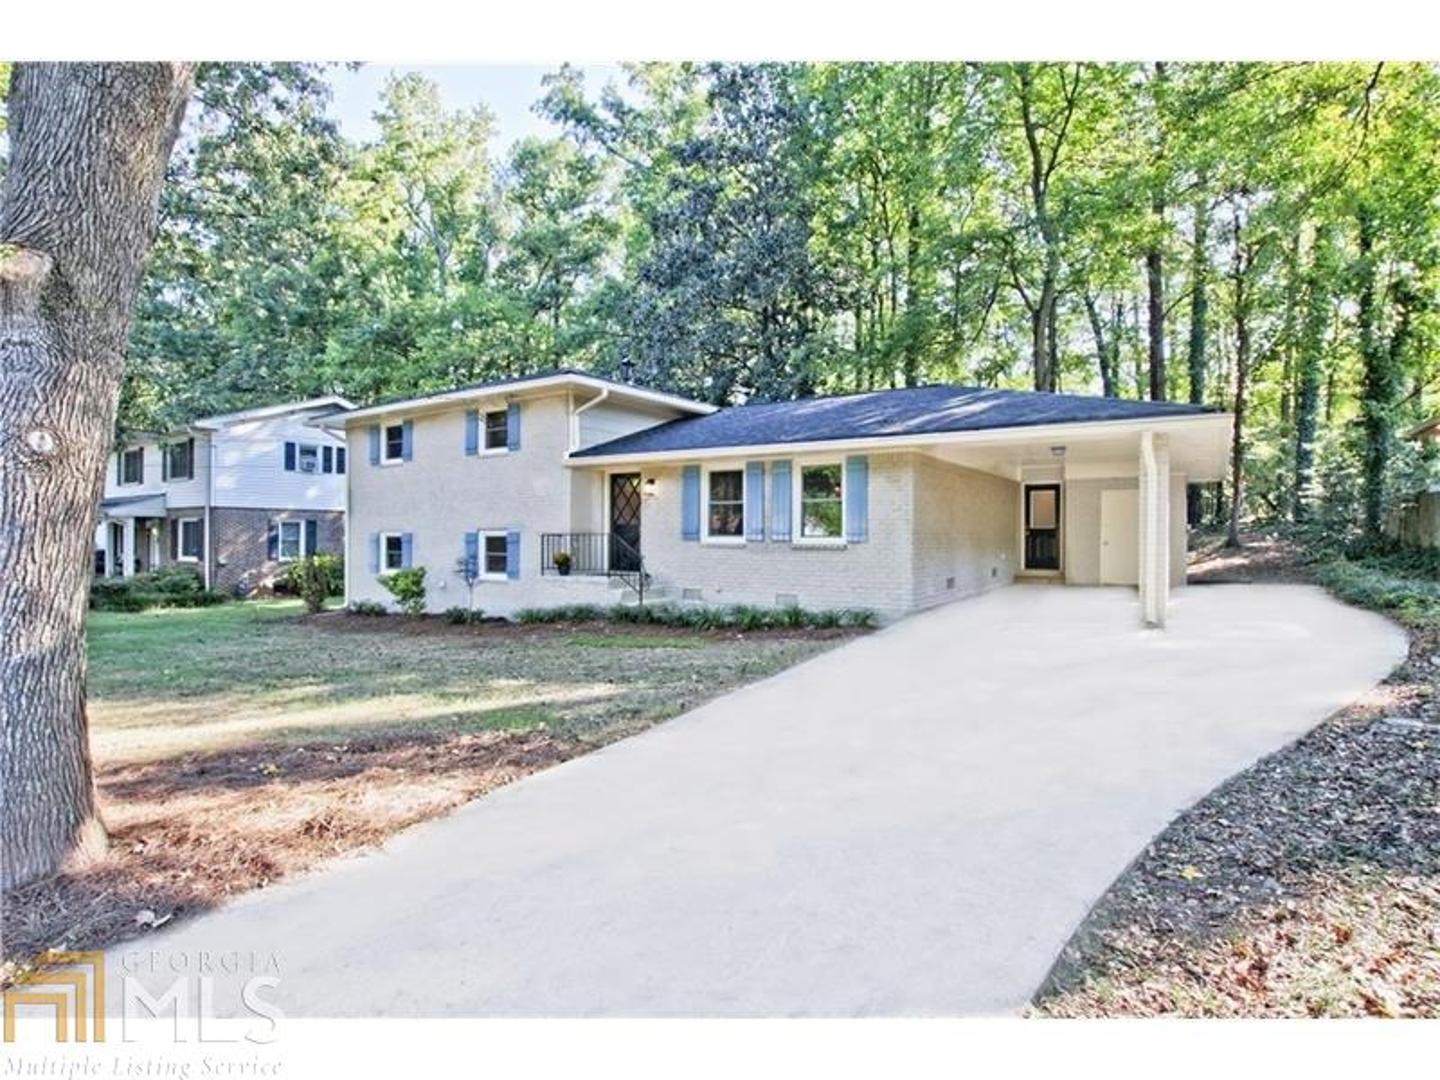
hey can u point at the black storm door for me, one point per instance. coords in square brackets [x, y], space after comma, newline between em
[1042, 527]
[625, 521]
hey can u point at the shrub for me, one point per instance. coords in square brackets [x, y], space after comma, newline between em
[744, 617]
[367, 607]
[460, 616]
[1369, 584]
[316, 577]
[408, 588]
[169, 586]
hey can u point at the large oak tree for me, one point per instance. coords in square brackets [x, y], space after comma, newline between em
[88, 147]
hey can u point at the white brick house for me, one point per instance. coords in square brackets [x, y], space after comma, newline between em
[236, 496]
[892, 501]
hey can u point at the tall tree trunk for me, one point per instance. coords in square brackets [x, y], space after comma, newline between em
[1310, 356]
[88, 147]
[1107, 348]
[1380, 384]
[1154, 253]
[1196, 361]
[1242, 373]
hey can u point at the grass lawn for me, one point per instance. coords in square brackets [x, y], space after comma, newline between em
[237, 744]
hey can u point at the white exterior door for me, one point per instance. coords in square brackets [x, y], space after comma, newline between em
[1120, 537]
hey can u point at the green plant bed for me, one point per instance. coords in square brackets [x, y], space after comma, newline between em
[1374, 584]
[169, 586]
[735, 617]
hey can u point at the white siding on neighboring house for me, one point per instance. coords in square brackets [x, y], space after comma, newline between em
[250, 467]
[177, 492]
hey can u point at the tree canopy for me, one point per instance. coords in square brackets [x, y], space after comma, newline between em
[1258, 236]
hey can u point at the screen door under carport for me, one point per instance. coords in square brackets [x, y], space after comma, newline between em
[1120, 537]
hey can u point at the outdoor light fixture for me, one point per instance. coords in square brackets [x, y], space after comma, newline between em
[1057, 451]
[647, 489]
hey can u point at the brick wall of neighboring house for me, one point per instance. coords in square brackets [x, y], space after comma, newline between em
[240, 544]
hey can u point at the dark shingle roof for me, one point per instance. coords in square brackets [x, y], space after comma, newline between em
[923, 410]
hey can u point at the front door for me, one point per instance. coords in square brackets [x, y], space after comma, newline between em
[625, 521]
[1120, 537]
[1042, 527]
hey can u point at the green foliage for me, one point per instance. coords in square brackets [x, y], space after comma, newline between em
[742, 617]
[169, 586]
[1386, 587]
[367, 607]
[315, 579]
[459, 616]
[408, 588]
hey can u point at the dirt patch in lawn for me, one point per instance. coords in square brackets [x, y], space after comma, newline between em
[187, 833]
[1308, 885]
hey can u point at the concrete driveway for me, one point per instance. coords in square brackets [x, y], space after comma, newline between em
[912, 824]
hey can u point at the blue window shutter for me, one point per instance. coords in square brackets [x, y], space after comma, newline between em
[374, 444]
[120, 467]
[172, 526]
[512, 426]
[272, 541]
[690, 503]
[407, 435]
[857, 499]
[289, 457]
[375, 553]
[327, 459]
[312, 535]
[340, 459]
[780, 497]
[472, 553]
[472, 432]
[755, 500]
[512, 554]
[407, 550]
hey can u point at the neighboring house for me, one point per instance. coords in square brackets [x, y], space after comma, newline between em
[235, 496]
[1414, 519]
[893, 501]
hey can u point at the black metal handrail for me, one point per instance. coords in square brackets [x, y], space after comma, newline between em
[595, 555]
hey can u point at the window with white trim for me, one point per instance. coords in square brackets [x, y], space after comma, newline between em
[292, 540]
[821, 501]
[192, 539]
[497, 430]
[394, 442]
[494, 556]
[309, 458]
[392, 551]
[132, 466]
[725, 504]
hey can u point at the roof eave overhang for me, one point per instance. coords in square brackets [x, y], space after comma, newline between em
[881, 443]
[523, 388]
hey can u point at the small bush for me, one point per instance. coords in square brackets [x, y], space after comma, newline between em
[315, 578]
[461, 616]
[744, 617]
[408, 588]
[367, 607]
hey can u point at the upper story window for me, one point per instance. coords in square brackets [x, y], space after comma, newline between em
[497, 429]
[394, 442]
[822, 501]
[309, 458]
[132, 466]
[340, 459]
[725, 514]
[179, 460]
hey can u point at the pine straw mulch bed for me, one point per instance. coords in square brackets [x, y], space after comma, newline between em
[1308, 885]
[187, 833]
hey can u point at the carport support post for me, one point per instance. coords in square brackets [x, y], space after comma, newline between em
[127, 566]
[1154, 527]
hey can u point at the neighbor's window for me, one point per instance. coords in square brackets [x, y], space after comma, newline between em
[192, 539]
[180, 460]
[309, 457]
[393, 557]
[497, 430]
[494, 558]
[132, 466]
[394, 442]
[822, 489]
[340, 459]
[726, 516]
[291, 534]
